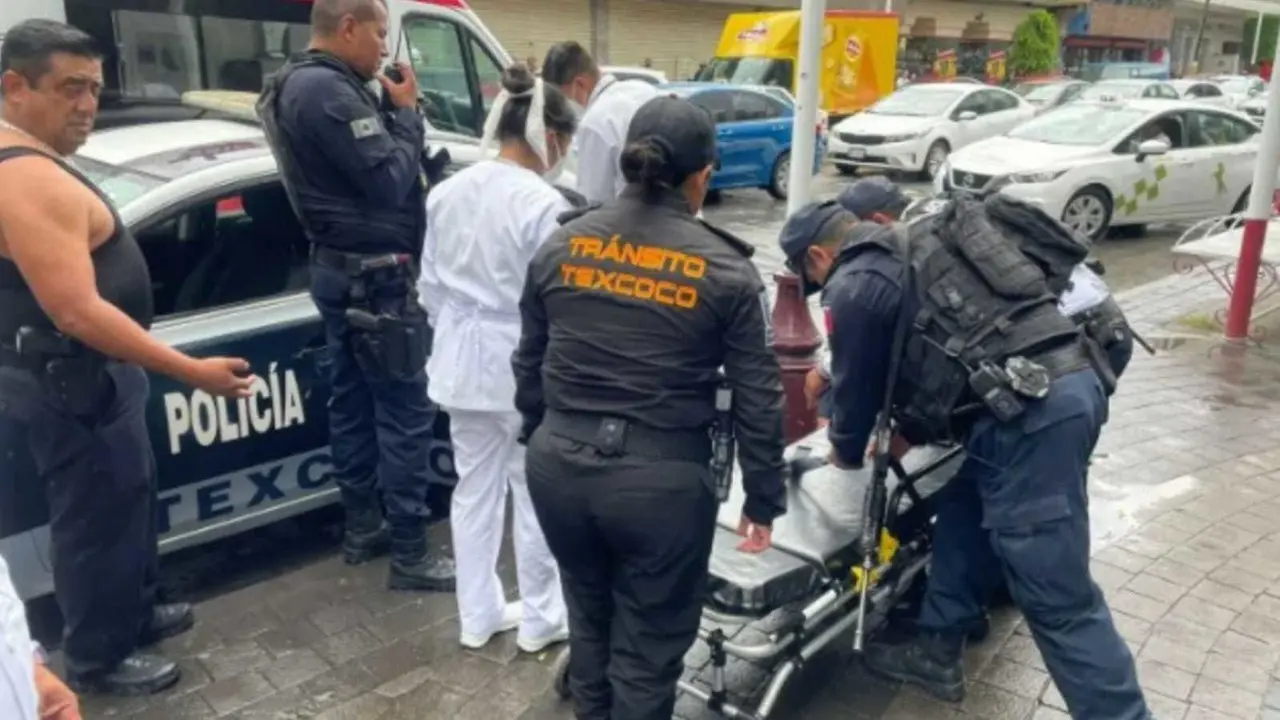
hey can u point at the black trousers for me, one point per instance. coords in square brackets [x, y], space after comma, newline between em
[632, 536]
[99, 477]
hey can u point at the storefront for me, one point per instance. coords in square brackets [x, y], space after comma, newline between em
[941, 39]
[1109, 32]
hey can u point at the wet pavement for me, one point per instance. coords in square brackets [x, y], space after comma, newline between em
[1186, 511]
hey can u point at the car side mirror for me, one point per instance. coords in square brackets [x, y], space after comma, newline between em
[967, 115]
[1151, 147]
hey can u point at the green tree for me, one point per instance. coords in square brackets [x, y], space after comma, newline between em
[1035, 48]
[1267, 41]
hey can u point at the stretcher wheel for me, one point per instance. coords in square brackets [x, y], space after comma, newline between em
[560, 675]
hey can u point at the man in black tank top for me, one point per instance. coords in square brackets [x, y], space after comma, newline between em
[75, 307]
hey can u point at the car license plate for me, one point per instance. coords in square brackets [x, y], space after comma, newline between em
[856, 153]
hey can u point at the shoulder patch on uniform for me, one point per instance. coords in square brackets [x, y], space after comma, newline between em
[569, 216]
[366, 127]
[743, 247]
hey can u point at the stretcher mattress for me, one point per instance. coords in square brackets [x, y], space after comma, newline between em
[818, 537]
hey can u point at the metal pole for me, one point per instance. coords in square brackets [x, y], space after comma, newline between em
[1204, 20]
[804, 133]
[1257, 217]
[1257, 38]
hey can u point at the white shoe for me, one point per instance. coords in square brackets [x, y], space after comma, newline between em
[511, 615]
[536, 645]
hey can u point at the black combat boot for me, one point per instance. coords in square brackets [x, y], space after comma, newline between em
[166, 622]
[931, 662]
[414, 568]
[366, 536]
[979, 630]
[138, 674]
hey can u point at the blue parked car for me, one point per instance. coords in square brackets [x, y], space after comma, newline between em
[754, 128]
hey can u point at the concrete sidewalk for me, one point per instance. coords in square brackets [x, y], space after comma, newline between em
[1186, 505]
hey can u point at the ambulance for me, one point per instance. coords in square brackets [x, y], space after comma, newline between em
[152, 58]
[859, 55]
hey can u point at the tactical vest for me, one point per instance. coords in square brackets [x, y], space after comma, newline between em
[977, 298]
[268, 109]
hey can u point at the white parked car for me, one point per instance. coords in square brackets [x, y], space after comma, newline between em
[649, 75]
[1129, 89]
[916, 128]
[1255, 107]
[1240, 88]
[1203, 92]
[1100, 165]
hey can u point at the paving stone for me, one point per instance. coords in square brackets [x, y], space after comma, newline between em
[347, 645]
[1053, 698]
[1156, 588]
[1222, 594]
[1170, 652]
[369, 706]
[233, 659]
[1123, 559]
[1238, 672]
[1186, 631]
[1165, 708]
[1139, 606]
[1247, 649]
[295, 667]
[1204, 612]
[1047, 713]
[1166, 679]
[1226, 699]
[1021, 680]
[233, 693]
[1258, 627]
[992, 703]
[1272, 698]
[1175, 572]
[910, 705]
[1022, 649]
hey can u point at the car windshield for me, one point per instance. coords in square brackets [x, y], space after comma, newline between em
[1036, 93]
[121, 185]
[748, 71]
[1083, 125]
[918, 101]
[1117, 90]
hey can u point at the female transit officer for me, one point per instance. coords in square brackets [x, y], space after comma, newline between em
[484, 225]
[629, 311]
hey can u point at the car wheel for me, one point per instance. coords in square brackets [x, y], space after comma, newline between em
[934, 160]
[846, 169]
[781, 176]
[1088, 212]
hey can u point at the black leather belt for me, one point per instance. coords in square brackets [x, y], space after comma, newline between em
[359, 263]
[692, 445]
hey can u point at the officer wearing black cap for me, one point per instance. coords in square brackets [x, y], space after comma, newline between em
[984, 357]
[629, 313]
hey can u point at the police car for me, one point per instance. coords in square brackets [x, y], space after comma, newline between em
[229, 266]
[917, 127]
[1098, 165]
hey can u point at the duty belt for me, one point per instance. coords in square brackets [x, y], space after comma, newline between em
[10, 357]
[1062, 360]
[614, 436]
[355, 264]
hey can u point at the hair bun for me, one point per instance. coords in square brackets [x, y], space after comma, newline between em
[644, 162]
[517, 79]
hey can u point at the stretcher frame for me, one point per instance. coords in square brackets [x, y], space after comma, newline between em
[805, 631]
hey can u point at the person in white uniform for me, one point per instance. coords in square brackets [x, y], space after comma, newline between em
[606, 106]
[483, 227]
[28, 689]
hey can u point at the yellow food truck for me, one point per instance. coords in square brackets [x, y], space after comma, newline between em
[859, 55]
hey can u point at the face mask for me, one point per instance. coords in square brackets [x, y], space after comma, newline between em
[578, 110]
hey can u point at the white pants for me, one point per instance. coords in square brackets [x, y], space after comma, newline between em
[489, 461]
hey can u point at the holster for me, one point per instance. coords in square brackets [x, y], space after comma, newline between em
[392, 342]
[75, 376]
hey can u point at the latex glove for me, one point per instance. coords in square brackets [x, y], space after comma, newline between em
[758, 537]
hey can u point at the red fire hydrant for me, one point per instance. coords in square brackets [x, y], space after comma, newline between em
[796, 341]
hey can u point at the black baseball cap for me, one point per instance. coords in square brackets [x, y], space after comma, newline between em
[803, 230]
[683, 131]
[872, 195]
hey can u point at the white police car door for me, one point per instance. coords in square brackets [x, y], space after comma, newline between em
[230, 277]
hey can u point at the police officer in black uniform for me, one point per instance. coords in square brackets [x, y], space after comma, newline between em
[986, 358]
[629, 313]
[75, 306]
[355, 176]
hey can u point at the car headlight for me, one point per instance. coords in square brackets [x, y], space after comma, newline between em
[902, 137]
[1043, 176]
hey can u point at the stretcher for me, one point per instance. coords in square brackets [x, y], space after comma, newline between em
[807, 584]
